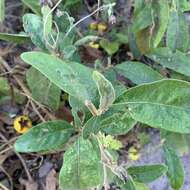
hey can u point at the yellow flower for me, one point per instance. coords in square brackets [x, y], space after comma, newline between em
[94, 45]
[93, 26]
[102, 27]
[22, 124]
[133, 154]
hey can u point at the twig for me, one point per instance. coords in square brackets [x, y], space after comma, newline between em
[9, 177]
[86, 17]
[36, 110]
[3, 187]
[106, 184]
[27, 92]
[104, 159]
[5, 150]
[5, 143]
[20, 157]
[97, 15]
[45, 22]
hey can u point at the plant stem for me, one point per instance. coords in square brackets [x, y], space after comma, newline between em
[106, 183]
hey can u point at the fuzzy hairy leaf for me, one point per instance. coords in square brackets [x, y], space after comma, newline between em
[73, 78]
[164, 104]
[109, 47]
[177, 61]
[138, 72]
[48, 136]
[143, 19]
[177, 32]
[33, 26]
[34, 5]
[106, 91]
[147, 173]
[115, 121]
[82, 168]
[47, 20]
[15, 38]
[182, 142]
[42, 89]
[161, 17]
[175, 168]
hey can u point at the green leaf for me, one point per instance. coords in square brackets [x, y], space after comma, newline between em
[109, 47]
[143, 19]
[33, 5]
[177, 32]
[161, 17]
[133, 185]
[14, 38]
[184, 5]
[133, 43]
[42, 89]
[138, 72]
[182, 142]
[113, 122]
[138, 6]
[129, 185]
[78, 107]
[48, 136]
[177, 61]
[147, 173]
[82, 168]
[151, 37]
[122, 38]
[2, 10]
[117, 122]
[141, 186]
[175, 169]
[5, 94]
[106, 91]
[91, 126]
[164, 104]
[73, 78]
[33, 26]
[47, 20]
[86, 39]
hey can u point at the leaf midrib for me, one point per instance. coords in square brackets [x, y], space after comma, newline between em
[153, 103]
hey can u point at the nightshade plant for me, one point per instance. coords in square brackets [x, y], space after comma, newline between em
[159, 32]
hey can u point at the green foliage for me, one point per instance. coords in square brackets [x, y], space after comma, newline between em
[106, 91]
[138, 72]
[42, 89]
[47, 20]
[15, 38]
[175, 169]
[33, 5]
[33, 26]
[152, 49]
[109, 47]
[182, 142]
[2, 10]
[157, 103]
[147, 173]
[177, 61]
[133, 185]
[5, 92]
[64, 73]
[48, 136]
[143, 19]
[81, 167]
[177, 32]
